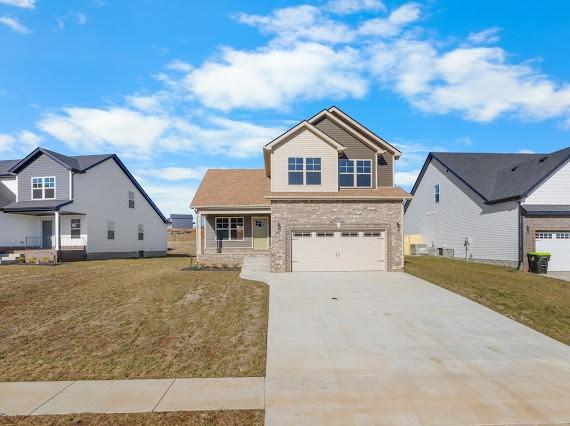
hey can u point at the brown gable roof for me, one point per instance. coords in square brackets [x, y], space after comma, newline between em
[232, 187]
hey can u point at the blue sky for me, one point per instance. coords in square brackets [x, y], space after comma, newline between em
[175, 89]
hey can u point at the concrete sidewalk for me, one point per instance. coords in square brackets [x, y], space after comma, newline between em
[131, 396]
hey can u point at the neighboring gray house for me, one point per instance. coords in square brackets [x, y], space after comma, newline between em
[325, 201]
[181, 221]
[53, 205]
[502, 205]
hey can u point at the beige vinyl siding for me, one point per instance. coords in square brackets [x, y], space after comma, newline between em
[462, 213]
[43, 166]
[211, 233]
[305, 144]
[355, 149]
[385, 169]
[554, 190]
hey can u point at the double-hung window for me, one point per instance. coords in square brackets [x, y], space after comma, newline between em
[229, 228]
[355, 173]
[313, 171]
[295, 167]
[131, 200]
[43, 188]
[141, 232]
[75, 228]
[110, 230]
[436, 193]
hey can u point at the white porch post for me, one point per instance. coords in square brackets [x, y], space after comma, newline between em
[198, 234]
[57, 234]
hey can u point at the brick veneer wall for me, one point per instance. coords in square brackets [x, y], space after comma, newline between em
[288, 215]
[532, 224]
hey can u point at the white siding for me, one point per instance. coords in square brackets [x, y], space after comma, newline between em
[14, 228]
[461, 213]
[102, 194]
[554, 190]
[305, 144]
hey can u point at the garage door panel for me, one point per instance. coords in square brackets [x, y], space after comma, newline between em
[558, 245]
[338, 251]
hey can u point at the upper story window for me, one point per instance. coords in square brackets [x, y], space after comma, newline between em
[313, 171]
[43, 188]
[295, 167]
[355, 173]
[229, 228]
[131, 200]
[436, 192]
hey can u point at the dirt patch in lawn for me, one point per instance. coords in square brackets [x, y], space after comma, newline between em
[196, 418]
[539, 302]
[122, 319]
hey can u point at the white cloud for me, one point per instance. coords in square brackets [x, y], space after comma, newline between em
[171, 198]
[14, 25]
[276, 77]
[526, 151]
[25, 4]
[174, 173]
[178, 65]
[406, 179]
[19, 142]
[393, 24]
[304, 22]
[490, 35]
[80, 18]
[346, 7]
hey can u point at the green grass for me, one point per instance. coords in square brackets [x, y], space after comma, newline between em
[539, 302]
[119, 319]
[196, 418]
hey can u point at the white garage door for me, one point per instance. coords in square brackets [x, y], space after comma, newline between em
[338, 251]
[558, 245]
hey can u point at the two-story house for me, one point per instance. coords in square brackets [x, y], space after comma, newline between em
[325, 201]
[57, 206]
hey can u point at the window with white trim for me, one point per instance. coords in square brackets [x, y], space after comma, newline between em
[301, 235]
[563, 235]
[110, 230]
[75, 228]
[349, 234]
[43, 188]
[131, 200]
[354, 173]
[295, 168]
[436, 192]
[229, 228]
[141, 232]
[372, 234]
[543, 235]
[325, 234]
[313, 171]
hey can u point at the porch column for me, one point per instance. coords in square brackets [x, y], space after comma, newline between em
[57, 234]
[198, 234]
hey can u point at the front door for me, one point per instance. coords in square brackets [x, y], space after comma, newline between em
[260, 233]
[47, 234]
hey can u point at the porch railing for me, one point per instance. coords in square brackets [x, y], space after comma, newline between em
[45, 243]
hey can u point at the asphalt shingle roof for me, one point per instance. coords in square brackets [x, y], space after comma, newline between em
[499, 177]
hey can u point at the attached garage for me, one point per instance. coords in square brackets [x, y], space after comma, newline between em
[557, 243]
[351, 250]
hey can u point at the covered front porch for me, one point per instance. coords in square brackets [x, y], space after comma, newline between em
[226, 236]
[47, 231]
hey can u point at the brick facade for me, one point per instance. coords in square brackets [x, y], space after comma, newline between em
[533, 224]
[227, 259]
[288, 215]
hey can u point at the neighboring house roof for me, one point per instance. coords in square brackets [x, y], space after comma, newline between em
[6, 196]
[498, 177]
[181, 216]
[385, 193]
[232, 187]
[44, 205]
[77, 163]
[546, 210]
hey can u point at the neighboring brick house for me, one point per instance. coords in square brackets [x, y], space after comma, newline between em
[503, 205]
[325, 201]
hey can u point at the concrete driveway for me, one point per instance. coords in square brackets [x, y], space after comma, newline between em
[388, 348]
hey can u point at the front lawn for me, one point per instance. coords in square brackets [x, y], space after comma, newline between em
[190, 418]
[539, 302]
[120, 319]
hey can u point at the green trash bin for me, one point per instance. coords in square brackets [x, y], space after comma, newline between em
[538, 262]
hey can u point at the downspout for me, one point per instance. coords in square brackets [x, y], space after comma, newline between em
[521, 238]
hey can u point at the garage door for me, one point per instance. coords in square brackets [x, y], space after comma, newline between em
[558, 245]
[338, 251]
